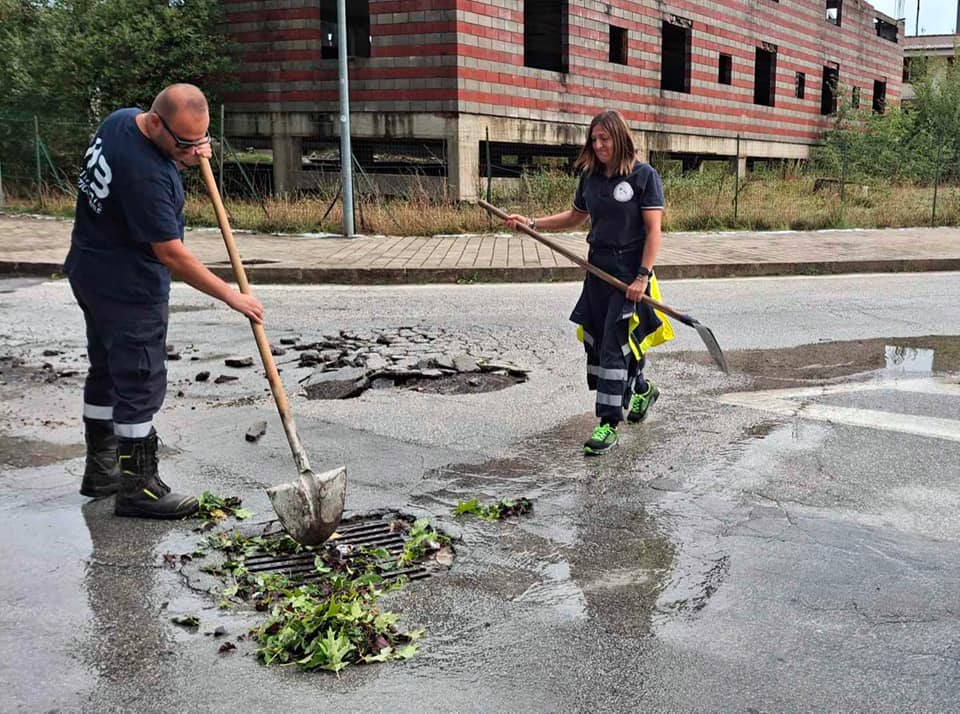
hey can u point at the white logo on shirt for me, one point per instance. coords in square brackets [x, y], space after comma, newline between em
[95, 177]
[623, 192]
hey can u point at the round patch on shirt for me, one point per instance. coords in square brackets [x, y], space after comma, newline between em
[623, 192]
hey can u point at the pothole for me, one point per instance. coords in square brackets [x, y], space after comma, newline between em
[347, 364]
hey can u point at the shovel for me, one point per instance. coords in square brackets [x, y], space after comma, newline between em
[309, 508]
[706, 334]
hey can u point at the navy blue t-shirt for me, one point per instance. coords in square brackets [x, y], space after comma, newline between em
[131, 195]
[616, 205]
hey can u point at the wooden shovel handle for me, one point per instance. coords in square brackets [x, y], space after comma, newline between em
[263, 345]
[590, 268]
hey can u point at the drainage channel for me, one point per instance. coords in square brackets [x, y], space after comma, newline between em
[353, 536]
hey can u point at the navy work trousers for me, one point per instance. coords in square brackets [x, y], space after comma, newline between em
[126, 345]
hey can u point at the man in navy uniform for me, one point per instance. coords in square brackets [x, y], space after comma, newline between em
[127, 240]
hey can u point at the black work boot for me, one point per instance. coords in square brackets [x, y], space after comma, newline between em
[142, 494]
[101, 476]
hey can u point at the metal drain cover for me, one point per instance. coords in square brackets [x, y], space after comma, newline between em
[353, 535]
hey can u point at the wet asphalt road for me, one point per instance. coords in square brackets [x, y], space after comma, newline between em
[799, 553]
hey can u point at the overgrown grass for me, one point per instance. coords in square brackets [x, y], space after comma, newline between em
[695, 202]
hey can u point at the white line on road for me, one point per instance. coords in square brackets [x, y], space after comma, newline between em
[796, 403]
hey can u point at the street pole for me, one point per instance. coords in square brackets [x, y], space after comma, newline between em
[346, 153]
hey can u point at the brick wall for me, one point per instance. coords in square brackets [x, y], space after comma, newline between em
[491, 64]
[412, 66]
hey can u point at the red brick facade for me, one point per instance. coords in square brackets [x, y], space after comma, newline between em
[466, 58]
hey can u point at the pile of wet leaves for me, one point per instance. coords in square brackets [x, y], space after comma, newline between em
[329, 617]
[504, 508]
[214, 509]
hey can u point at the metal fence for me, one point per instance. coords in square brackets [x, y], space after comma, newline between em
[40, 157]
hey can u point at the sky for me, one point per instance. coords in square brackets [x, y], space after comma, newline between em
[937, 17]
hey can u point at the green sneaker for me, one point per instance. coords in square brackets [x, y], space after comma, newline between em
[640, 403]
[604, 438]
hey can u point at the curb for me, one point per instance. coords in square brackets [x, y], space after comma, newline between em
[280, 275]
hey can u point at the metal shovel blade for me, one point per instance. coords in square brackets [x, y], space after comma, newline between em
[310, 508]
[713, 347]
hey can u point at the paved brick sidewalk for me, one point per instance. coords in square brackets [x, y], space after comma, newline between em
[37, 246]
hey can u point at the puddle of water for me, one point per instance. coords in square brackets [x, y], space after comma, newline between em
[908, 360]
[831, 360]
[19, 453]
[581, 554]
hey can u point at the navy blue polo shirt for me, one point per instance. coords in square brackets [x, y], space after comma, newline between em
[131, 195]
[616, 205]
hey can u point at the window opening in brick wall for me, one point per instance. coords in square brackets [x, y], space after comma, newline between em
[800, 85]
[879, 96]
[675, 59]
[426, 157]
[828, 90]
[725, 69]
[358, 28]
[765, 77]
[834, 11]
[855, 98]
[511, 160]
[618, 44]
[886, 30]
[906, 69]
[545, 34]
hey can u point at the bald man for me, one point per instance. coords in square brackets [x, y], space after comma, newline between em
[127, 240]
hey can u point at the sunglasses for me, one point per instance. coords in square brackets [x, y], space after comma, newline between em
[183, 143]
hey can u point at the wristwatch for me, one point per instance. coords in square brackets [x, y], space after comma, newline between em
[532, 223]
[643, 273]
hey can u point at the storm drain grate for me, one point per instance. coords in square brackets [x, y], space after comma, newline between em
[353, 536]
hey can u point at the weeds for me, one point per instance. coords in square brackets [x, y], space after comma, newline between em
[701, 201]
[495, 511]
[329, 618]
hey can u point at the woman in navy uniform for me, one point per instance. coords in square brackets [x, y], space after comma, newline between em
[623, 197]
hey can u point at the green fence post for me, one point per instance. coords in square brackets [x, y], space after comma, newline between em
[489, 168]
[936, 185]
[223, 134]
[843, 181]
[736, 187]
[36, 141]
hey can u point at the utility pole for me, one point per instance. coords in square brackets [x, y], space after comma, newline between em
[346, 152]
[916, 27]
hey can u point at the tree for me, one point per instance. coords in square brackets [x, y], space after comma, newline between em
[72, 62]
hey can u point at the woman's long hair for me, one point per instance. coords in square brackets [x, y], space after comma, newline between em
[624, 150]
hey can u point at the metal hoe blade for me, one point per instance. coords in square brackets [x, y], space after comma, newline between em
[713, 347]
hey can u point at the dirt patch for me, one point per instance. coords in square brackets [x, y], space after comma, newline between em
[831, 360]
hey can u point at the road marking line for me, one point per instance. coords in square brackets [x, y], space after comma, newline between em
[795, 403]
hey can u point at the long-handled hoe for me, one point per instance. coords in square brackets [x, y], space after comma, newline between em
[706, 334]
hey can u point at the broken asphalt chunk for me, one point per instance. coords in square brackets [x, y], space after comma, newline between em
[256, 430]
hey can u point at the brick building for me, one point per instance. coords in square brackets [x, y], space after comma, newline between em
[430, 78]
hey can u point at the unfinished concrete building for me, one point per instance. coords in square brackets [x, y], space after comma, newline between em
[932, 52]
[430, 80]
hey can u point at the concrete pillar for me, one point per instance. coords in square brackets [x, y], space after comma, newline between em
[742, 166]
[287, 153]
[463, 158]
